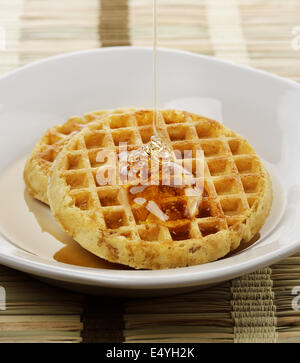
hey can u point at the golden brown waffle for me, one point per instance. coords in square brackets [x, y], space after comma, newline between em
[106, 221]
[39, 164]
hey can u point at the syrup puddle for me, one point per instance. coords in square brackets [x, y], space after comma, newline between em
[72, 253]
[30, 225]
[243, 246]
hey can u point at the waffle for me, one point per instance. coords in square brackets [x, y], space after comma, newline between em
[40, 162]
[105, 220]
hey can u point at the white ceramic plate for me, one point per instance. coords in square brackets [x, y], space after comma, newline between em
[262, 107]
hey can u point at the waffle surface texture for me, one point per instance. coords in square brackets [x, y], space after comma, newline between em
[236, 200]
[39, 164]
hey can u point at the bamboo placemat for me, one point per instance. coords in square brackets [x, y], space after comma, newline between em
[257, 307]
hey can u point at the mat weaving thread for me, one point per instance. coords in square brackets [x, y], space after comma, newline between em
[253, 309]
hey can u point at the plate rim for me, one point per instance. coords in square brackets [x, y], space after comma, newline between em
[149, 49]
[137, 279]
[140, 279]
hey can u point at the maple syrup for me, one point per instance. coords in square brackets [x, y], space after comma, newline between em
[208, 230]
[71, 253]
[155, 75]
[158, 203]
[180, 233]
[74, 254]
[243, 246]
[159, 189]
[204, 210]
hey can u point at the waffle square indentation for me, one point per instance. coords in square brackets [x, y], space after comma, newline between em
[185, 150]
[146, 133]
[205, 209]
[226, 185]
[93, 157]
[83, 200]
[75, 161]
[178, 133]
[232, 206]
[218, 166]
[95, 140]
[149, 233]
[53, 138]
[77, 180]
[115, 219]
[213, 148]
[180, 233]
[204, 130]
[209, 227]
[73, 124]
[140, 214]
[173, 117]
[109, 196]
[144, 118]
[120, 121]
[244, 164]
[124, 136]
[49, 155]
[250, 183]
[239, 147]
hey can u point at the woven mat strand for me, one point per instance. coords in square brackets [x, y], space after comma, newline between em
[255, 308]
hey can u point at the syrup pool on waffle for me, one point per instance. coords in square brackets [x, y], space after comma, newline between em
[162, 188]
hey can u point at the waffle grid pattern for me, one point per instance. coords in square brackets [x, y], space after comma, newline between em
[56, 137]
[39, 165]
[231, 174]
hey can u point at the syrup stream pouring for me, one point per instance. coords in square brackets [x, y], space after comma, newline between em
[168, 167]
